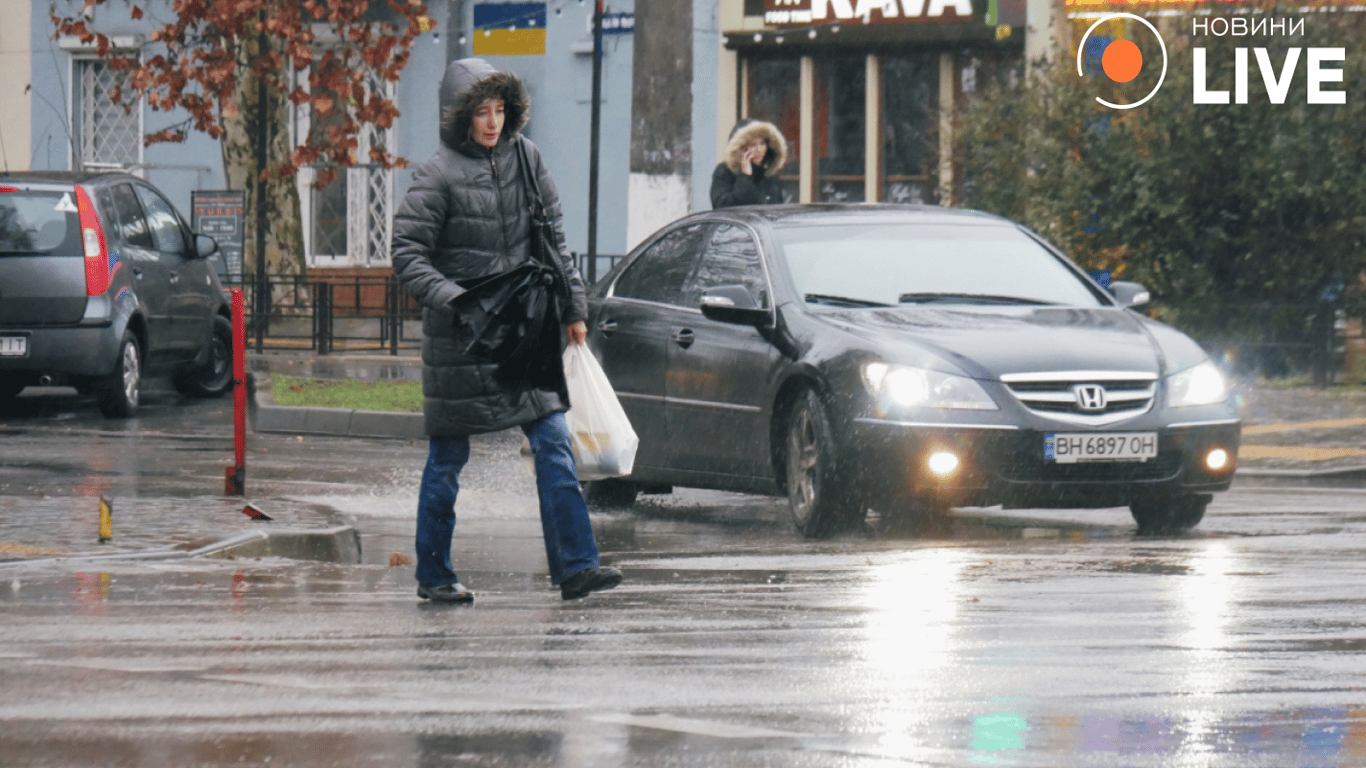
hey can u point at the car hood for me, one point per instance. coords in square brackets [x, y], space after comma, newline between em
[990, 342]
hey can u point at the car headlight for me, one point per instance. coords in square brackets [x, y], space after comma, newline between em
[903, 386]
[1201, 385]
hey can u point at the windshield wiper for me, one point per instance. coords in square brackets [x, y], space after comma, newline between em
[965, 298]
[842, 301]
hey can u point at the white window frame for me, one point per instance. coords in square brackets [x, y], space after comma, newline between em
[369, 189]
[80, 53]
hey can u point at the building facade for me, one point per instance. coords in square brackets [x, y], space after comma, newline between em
[346, 224]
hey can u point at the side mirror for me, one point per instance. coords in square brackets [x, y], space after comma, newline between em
[205, 246]
[1130, 295]
[732, 304]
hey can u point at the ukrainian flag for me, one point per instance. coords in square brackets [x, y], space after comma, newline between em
[509, 29]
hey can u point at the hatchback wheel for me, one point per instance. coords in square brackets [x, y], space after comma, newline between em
[1163, 515]
[118, 392]
[215, 377]
[813, 490]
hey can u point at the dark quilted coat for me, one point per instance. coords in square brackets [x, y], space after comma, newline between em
[466, 216]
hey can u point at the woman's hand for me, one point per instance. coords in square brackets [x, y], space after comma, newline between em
[752, 154]
[577, 332]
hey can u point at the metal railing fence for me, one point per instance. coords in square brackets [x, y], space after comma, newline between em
[343, 313]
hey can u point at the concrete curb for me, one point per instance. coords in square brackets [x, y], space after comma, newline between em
[266, 415]
[339, 544]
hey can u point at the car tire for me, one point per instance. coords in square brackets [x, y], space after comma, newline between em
[1165, 515]
[814, 491]
[611, 493]
[213, 379]
[117, 393]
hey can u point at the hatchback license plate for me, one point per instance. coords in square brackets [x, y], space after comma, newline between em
[1072, 447]
[13, 346]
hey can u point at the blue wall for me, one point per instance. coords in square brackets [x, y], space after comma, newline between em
[560, 82]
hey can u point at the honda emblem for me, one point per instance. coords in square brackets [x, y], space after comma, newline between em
[1090, 397]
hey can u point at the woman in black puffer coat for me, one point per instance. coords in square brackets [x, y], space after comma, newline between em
[467, 216]
[755, 155]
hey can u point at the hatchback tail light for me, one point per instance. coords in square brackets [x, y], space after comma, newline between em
[97, 272]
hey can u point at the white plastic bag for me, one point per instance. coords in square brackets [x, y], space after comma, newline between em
[604, 442]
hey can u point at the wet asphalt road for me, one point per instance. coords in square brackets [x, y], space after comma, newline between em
[1013, 639]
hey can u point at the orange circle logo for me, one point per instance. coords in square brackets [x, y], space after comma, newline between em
[1121, 60]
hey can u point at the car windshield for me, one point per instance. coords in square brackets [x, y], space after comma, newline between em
[862, 264]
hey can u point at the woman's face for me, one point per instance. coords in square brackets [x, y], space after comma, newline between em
[487, 126]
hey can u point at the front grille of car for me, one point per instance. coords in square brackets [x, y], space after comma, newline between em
[1122, 394]
[1028, 467]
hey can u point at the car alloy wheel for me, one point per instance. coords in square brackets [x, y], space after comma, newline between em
[1165, 515]
[812, 490]
[118, 393]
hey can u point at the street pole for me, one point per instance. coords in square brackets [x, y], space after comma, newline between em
[594, 134]
[262, 303]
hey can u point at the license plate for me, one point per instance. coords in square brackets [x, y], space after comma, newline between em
[13, 346]
[1071, 447]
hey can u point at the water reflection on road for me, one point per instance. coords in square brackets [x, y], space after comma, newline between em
[1022, 638]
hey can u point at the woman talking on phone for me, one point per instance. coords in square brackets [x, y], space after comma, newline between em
[755, 155]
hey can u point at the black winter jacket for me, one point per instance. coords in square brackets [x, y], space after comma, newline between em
[466, 216]
[730, 187]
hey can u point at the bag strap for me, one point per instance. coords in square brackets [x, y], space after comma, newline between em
[540, 224]
[533, 189]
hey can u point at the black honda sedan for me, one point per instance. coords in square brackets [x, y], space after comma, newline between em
[902, 360]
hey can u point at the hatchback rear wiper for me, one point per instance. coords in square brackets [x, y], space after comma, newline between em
[964, 298]
[842, 301]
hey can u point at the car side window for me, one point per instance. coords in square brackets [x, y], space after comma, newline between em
[658, 274]
[131, 225]
[165, 225]
[731, 257]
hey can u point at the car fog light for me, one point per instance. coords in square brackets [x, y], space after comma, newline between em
[942, 463]
[1216, 459]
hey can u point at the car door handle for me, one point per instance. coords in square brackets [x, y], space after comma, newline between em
[684, 338]
[607, 327]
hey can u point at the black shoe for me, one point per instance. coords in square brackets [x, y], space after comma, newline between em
[446, 593]
[591, 580]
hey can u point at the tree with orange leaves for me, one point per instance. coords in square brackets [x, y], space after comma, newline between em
[237, 67]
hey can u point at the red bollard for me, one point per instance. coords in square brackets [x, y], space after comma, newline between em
[235, 478]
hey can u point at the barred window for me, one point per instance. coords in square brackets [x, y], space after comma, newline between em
[107, 135]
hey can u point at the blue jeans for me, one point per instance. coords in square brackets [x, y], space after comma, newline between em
[569, 543]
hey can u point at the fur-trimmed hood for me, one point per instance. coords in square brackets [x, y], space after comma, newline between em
[469, 83]
[748, 129]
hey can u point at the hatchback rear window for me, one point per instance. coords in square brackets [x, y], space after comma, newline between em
[38, 223]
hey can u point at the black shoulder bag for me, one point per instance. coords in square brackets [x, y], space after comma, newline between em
[543, 245]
